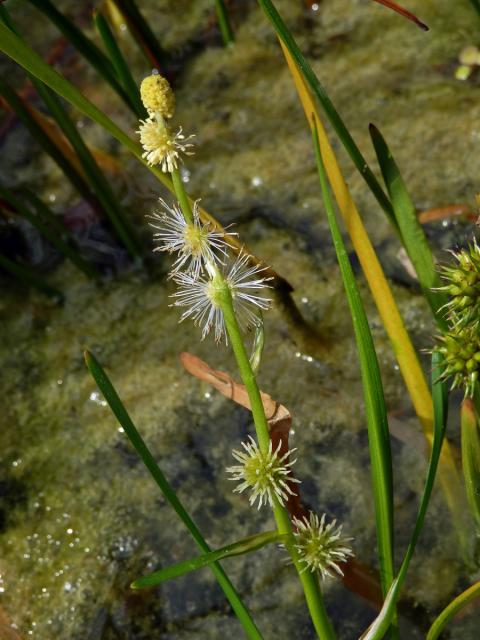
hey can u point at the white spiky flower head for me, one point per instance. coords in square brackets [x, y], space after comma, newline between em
[196, 242]
[160, 145]
[320, 546]
[202, 295]
[265, 475]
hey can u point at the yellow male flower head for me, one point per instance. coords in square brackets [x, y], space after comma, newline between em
[157, 95]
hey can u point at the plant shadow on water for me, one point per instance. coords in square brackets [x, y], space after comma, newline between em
[80, 518]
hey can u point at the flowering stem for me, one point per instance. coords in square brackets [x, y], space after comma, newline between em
[308, 579]
[182, 197]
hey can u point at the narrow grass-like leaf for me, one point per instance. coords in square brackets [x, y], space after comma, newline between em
[224, 22]
[50, 234]
[123, 226]
[376, 414]
[452, 609]
[247, 545]
[381, 623]
[121, 67]
[84, 46]
[119, 220]
[29, 277]
[141, 31]
[21, 110]
[141, 448]
[331, 113]
[471, 456]
[16, 49]
[411, 231]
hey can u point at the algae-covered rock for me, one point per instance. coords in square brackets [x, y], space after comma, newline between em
[80, 517]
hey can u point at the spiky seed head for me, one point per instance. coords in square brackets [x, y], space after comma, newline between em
[461, 352]
[157, 95]
[266, 475]
[321, 546]
[463, 286]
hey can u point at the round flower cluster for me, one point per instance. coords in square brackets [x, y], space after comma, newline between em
[461, 351]
[321, 546]
[463, 287]
[265, 474]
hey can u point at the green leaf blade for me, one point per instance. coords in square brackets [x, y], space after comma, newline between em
[379, 438]
[411, 232]
[246, 545]
[471, 456]
[452, 609]
[379, 627]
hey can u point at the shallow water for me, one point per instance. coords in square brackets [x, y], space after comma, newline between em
[79, 516]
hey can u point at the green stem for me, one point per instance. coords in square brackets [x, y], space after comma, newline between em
[308, 579]
[182, 196]
[224, 23]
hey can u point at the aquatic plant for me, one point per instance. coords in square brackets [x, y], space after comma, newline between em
[209, 295]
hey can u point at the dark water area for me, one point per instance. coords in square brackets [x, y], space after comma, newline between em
[80, 518]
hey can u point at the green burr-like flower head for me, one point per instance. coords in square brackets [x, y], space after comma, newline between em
[461, 351]
[463, 287]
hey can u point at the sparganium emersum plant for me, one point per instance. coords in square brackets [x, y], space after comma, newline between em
[227, 293]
